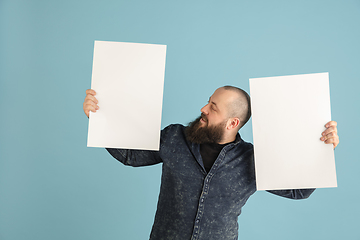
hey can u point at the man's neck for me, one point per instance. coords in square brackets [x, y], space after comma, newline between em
[228, 139]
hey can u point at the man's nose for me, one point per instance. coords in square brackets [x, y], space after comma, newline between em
[205, 109]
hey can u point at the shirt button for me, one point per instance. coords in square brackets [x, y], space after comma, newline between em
[202, 200]
[197, 221]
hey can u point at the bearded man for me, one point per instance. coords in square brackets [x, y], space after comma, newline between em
[207, 169]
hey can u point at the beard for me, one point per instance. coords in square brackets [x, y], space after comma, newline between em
[196, 133]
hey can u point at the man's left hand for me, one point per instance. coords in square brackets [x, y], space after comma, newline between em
[330, 136]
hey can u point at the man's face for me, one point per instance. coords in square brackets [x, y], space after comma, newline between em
[211, 125]
[216, 111]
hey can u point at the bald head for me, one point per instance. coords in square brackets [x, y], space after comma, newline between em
[239, 104]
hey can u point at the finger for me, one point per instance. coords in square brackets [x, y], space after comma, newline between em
[334, 141]
[89, 108]
[329, 130]
[92, 98]
[87, 111]
[90, 104]
[329, 135]
[91, 92]
[330, 138]
[331, 123]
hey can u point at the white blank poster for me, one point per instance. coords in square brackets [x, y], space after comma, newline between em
[129, 80]
[289, 114]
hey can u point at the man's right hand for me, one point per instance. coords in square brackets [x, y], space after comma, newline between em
[90, 102]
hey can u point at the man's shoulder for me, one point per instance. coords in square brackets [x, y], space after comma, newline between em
[243, 147]
[176, 127]
[173, 135]
[248, 145]
[242, 143]
[174, 130]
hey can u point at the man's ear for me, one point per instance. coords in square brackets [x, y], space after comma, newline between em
[233, 123]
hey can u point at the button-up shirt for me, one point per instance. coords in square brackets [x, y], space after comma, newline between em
[194, 204]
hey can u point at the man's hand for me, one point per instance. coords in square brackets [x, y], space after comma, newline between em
[330, 134]
[90, 102]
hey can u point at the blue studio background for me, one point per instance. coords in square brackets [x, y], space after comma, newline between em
[53, 187]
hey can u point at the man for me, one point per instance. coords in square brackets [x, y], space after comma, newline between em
[207, 169]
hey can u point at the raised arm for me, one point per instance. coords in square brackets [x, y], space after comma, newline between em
[128, 157]
[329, 136]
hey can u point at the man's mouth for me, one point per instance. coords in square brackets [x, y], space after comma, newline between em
[203, 118]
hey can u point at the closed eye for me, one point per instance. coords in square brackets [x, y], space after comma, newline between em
[212, 104]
